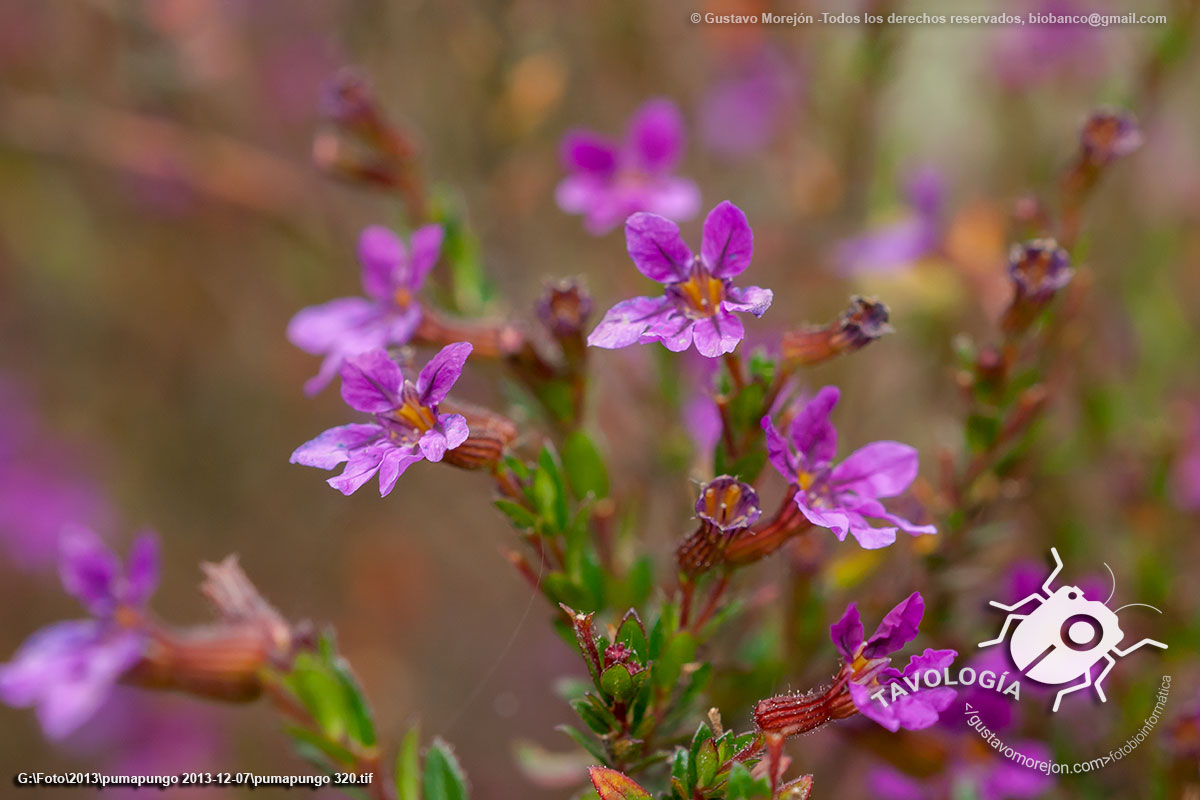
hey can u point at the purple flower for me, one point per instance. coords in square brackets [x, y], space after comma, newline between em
[1039, 268]
[868, 664]
[611, 180]
[842, 497]
[68, 669]
[406, 427]
[699, 300]
[1025, 55]
[1108, 135]
[389, 314]
[901, 244]
[1185, 472]
[972, 772]
[744, 110]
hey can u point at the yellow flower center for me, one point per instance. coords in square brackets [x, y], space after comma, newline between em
[718, 504]
[805, 479]
[402, 297]
[418, 416]
[702, 291]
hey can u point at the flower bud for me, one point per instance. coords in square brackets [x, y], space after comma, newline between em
[725, 508]
[1109, 135]
[863, 322]
[1039, 269]
[564, 307]
[489, 435]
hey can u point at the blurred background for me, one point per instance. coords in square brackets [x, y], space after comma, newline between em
[160, 222]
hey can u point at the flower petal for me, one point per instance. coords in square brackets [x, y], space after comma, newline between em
[751, 299]
[88, 569]
[335, 445]
[847, 633]
[587, 152]
[719, 334]
[625, 322]
[361, 467]
[879, 469]
[657, 249]
[371, 382]
[441, 373]
[834, 519]
[867, 536]
[433, 444]
[395, 461]
[43, 659]
[426, 243]
[382, 255]
[142, 569]
[777, 451]
[321, 329]
[898, 628]
[728, 241]
[672, 330]
[673, 198]
[812, 434]
[656, 136]
[95, 672]
[455, 428]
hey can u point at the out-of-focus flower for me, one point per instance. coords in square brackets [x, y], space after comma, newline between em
[1183, 735]
[42, 489]
[1039, 268]
[843, 497]
[68, 669]
[392, 275]
[866, 673]
[1109, 135]
[699, 301]
[1185, 472]
[974, 770]
[862, 323]
[902, 243]
[742, 112]
[407, 426]
[610, 180]
[1024, 55]
[725, 507]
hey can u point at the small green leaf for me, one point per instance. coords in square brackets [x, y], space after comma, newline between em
[337, 755]
[707, 762]
[584, 466]
[408, 767]
[741, 786]
[633, 634]
[361, 725]
[444, 779]
[591, 745]
[594, 715]
[520, 516]
[612, 785]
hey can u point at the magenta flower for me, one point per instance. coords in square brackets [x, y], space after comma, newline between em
[610, 180]
[699, 300]
[868, 663]
[971, 772]
[844, 497]
[407, 427]
[901, 244]
[1185, 471]
[68, 669]
[389, 314]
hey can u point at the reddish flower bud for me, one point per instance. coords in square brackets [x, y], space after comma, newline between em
[863, 322]
[1109, 135]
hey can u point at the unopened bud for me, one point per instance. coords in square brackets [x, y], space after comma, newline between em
[1109, 135]
[864, 321]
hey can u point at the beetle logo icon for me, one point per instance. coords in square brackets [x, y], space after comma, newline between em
[1065, 636]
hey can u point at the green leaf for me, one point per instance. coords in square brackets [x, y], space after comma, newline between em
[679, 650]
[361, 725]
[444, 779]
[741, 786]
[584, 466]
[520, 516]
[612, 785]
[320, 693]
[633, 634]
[594, 714]
[706, 762]
[408, 767]
[746, 410]
[331, 750]
[549, 490]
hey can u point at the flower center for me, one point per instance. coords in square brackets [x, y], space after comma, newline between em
[720, 504]
[805, 479]
[701, 293]
[402, 297]
[416, 415]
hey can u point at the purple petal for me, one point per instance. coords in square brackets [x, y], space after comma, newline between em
[587, 152]
[442, 372]
[321, 329]
[868, 536]
[142, 569]
[426, 243]
[371, 382]
[625, 322]
[395, 461]
[42, 660]
[925, 187]
[656, 136]
[888, 249]
[90, 681]
[335, 445]
[88, 569]
[595, 198]
[886, 783]
[812, 434]
[362, 466]
[749, 299]
[401, 325]
[912, 712]
[673, 198]
[898, 628]
[657, 249]
[834, 519]
[382, 255]
[728, 242]
[717, 335]
[672, 330]
[777, 451]
[455, 428]
[847, 633]
[433, 444]
[879, 469]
